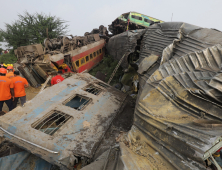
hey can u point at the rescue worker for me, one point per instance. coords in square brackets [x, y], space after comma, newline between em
[20, 84]
[6, 90]
[1, 65]
[10, 73]
[4, 65]
[57, 79]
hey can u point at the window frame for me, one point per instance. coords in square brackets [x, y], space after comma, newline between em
[88, 58]
[91, 58]
[79, 95]
[83, 58]
[76, 64]
[94, 54]
[45, 117]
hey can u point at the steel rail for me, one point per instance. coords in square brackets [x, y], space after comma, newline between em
[28, 141]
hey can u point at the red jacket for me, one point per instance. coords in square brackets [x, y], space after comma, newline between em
[56, 79]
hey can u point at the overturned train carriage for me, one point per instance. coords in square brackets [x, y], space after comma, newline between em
[65, 123]
[178, 120]
[67, 54]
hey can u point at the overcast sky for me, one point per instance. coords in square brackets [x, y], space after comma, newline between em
[84, 15]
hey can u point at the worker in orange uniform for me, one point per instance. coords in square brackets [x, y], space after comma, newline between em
[10, 73]
[20, 84]
[6, 90]
[57, 79]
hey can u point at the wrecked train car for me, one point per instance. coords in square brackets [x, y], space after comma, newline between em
[178, 121]
[131, 21]
[65, 123]
[66, 53]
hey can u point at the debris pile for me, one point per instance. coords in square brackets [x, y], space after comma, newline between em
[66, 53]
[178, 107]
[172, 68]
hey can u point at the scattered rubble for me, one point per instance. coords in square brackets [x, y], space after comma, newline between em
[179, 101]
[172, 68]
[67, 53]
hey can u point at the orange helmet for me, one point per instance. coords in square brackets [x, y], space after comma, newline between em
[9, 68]
[3, 70]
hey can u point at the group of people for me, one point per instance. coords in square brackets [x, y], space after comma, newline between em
[12, 87]
[4, 52]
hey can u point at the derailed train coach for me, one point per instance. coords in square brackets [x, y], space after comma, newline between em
[178, 121]
[70, 54]
[65, 123]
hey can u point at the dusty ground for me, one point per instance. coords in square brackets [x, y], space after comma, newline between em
[31, 92]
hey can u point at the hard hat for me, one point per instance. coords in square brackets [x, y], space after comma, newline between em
[3, 70]
[9, 68]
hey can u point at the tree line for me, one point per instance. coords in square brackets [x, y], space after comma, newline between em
[32, 29]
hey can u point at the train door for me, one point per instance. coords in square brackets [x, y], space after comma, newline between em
[68, 61]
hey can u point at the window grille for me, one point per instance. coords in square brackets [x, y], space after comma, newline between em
[51, 123]
[92, 89]
[102, 84]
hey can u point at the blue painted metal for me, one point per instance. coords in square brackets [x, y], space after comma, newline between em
[74, 138]
[23, 161]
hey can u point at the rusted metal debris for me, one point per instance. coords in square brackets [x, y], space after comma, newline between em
[65, 124]
[36, 62]
[177, 123]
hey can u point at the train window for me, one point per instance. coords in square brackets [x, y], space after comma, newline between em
[94, 54]
[91, 56]
[137, 17]
[87, 58]
[77, 102]
[51, 123]
[77, 63]
[97, 52]
[82, 61]
[100, 51]
[147, 20]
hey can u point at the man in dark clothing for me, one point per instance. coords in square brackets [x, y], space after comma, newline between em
[57, 79]
[6, 90]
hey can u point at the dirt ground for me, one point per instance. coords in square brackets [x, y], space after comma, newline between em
[31, 92]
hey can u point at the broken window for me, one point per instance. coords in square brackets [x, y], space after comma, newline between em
[92, 89]
[100, 51]
[77, 63]
[91, 56]
[94, 54]
[147, 20]
[87, 58]
[78, 102]
[82, 61]
[102, 84]
[51, 123]
[137, 17]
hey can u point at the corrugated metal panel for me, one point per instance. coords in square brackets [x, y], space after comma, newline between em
[178, 120]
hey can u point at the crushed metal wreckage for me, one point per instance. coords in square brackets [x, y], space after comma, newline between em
[66, 123]
[178, 121]
[66, 53]
[131, 21]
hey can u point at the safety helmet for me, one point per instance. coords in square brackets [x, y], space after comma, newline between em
[3, 70]
[9, 68]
